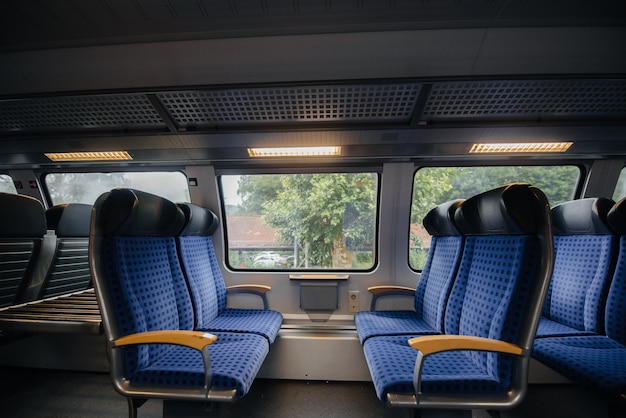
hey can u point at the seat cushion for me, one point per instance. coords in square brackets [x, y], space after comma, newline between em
[387, 323]
[235, 360]
[549, 328]
[594, 361]
[264, 322]
[392, 361]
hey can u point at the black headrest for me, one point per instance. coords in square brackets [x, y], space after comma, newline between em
[439, 221]
[517, 208]
[617, 217]
[69, 219]
[198, 220]
[130, 212]
[21, 216]
[582, 216]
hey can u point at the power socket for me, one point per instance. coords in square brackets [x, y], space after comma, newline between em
[353, 301]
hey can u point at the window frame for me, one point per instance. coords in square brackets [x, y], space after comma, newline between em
[376, 170]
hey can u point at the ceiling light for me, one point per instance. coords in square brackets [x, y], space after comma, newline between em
[89, 156]
[295, 152]
[521, 147]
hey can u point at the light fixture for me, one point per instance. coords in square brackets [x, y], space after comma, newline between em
[521, 147]
[89, 156]
[295, 152]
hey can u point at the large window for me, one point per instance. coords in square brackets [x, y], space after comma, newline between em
[320, 221]
[434, 185]
[6, 184]
[87, 187]
[620, 188]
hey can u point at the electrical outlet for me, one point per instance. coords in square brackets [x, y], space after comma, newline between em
[353, 301]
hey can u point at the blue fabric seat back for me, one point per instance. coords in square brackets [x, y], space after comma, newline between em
[137, 251]
[584, 250]
[615, 319]
[69, 270]
[433, 289]
[196, 246]
[22, 228]
[503, 276]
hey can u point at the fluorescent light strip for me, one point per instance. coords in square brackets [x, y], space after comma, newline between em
[89, 156]
[521, 147]
[295, 152]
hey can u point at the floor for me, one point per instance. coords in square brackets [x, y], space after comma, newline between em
[40, 393]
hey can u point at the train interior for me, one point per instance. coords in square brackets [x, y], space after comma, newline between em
[393, 86]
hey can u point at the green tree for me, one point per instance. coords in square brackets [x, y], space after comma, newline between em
[333, 213]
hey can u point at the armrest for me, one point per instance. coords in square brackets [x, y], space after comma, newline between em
[388, 290]
[430, 344]
[255, 289]
[194, 339]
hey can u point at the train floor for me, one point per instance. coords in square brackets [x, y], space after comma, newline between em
[43, 393]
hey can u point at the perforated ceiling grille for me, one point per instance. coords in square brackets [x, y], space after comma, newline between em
[524, 99]
[389, 102]
[79, 112]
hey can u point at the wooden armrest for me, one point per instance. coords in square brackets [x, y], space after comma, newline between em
[388, 290]
[377, 290]
[256, 288]
[194, 339]
[430, 344]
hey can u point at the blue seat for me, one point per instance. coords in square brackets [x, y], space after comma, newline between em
[206, 283]
[584, 247]
[22, 230]
[147, 311]
[598, 362]
[433, 288]
[491, 317]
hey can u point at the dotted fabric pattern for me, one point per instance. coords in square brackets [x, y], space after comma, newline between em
[491, 292]
[195, 261]
[549, 328]
[199, 261]
[235, 359]
[431, 296]
[597, 362]
[218, 279]
[616, 301]
[580, 281]
[391, 362]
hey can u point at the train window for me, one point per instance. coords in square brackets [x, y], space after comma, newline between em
[433, 185]
[87, 187]
[620, 188]
[6, 184]
[313, 221]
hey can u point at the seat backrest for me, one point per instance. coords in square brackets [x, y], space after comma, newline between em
[136, 272]
[69, 269]
[22, 229]
[504, 273]
[615, 318]
[584, 247]
[198, 260]
[444, 255]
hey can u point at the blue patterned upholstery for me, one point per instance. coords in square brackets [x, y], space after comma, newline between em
[207, 286]
[597, 361]
[584, 253]
[141, 288]
[497, 295]
[431, 294]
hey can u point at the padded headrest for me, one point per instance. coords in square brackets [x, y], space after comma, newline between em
[198, 220]
[439, 221]
[21, 216]
[617, 217]
[130, 212]
[582, 216]
[69, 219]
[517, 208]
